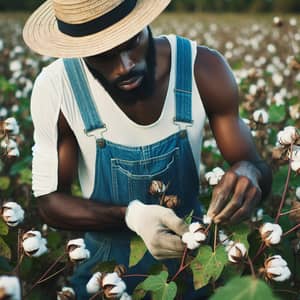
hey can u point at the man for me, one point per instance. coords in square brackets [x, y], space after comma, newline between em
[131, 110]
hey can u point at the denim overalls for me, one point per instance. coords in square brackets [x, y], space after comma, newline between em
[125, 173]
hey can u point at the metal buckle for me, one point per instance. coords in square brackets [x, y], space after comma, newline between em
[96, 133]
[182, 127]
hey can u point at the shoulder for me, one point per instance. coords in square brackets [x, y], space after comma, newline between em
[47, 90]
[215, 81]
[52, 72]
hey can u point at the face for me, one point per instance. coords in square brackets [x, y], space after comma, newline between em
[127, 72]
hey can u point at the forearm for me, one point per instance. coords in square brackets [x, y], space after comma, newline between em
[68, 212]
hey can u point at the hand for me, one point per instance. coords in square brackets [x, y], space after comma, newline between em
[236, 195]
[159, 227]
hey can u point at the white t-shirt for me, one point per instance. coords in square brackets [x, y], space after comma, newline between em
[52, 93]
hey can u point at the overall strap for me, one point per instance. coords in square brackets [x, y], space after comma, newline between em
[83, 96]
[184, 75]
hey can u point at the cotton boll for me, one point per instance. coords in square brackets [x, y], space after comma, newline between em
[237, 252]
[94, 284]
[11, 287]
[271, 233]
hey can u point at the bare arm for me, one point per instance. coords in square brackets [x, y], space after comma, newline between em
[62, 210]
[249, 179]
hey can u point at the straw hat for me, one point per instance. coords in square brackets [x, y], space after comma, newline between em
[79, 28]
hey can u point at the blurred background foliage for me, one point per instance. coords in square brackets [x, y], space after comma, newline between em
[191, 5]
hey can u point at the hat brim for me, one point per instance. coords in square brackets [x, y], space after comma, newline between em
[42, 35]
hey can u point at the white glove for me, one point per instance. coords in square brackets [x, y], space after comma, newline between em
[159, 227]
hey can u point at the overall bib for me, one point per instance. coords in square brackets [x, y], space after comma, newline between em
[125, 173]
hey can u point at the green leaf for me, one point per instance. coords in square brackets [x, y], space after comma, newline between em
[20, 165]
[3, 227]
[279, 179]
[245, 288]
[161, 290]
[231, 271]
[25, 176]
[277, 113]
[208, 265]
[27, 268]
[155, 282]
[6, 86]
[4, 183]
[4, 265]
[4, 249]
[240, 233]
[54, 239]
[139, 293]
[188, 219]
[167, 293]
[137, 250]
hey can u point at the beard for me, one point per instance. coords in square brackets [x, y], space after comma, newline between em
[147, 85]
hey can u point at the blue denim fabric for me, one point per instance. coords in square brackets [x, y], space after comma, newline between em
[125, 173]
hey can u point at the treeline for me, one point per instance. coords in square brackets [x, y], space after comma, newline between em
[190, 5]
[236, 5]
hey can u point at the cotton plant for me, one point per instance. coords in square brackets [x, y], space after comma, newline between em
[10, 288]
[237, 252]
[66, 293]
[195, 236]
[276, 269]
[10, 147]
[9, 129]
[77, 250]
[12, 214]
[11, 126]
[261, 116]
[288, 141]
[294, 156]
[271, 234]
[298, 193]
[258, 215]
[289, 135]
[111, 284]
[34, 245]
[213, 177]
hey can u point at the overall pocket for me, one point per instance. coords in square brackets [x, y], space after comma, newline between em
[131, 179]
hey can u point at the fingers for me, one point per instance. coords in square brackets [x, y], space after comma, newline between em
[236, 202]
[243, 201]
[174, 223]
[167, 245]
[251, 200]
[222, 193]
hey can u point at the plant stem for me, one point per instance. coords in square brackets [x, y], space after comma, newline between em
[51, 276]
[17, 268]
[96, 295]
[286, 291]
[259, 251]
[182, 266]
[289, 212]
[45, 274]
[208, 228]
[135, 275]
[20, 254]
[215, 237]
[251, 267]
[291, 230]
[52, 266]
[285, 188]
